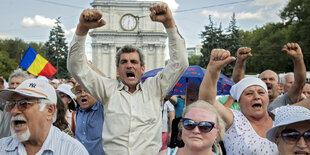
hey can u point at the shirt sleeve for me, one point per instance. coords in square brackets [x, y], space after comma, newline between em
[178, 63]
[94, 83]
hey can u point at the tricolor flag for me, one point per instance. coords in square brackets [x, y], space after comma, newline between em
[35, 64]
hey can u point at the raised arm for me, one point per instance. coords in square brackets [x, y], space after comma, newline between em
[305, 103]
[178, 62]
[294, 51]
[243, 54]
[161, 13]
[208, 88]
[89, 19]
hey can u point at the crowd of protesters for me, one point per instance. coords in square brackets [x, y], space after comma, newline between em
[93, 114]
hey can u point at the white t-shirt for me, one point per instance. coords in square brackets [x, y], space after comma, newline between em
[241, 139]
[167, 107]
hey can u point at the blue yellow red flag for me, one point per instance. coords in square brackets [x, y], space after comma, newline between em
[35, 64]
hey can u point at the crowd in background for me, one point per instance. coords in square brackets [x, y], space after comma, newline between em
[93, 114]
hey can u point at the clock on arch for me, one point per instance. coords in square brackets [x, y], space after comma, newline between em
[128, 22]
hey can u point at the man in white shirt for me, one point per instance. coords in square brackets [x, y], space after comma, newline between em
[132, 116]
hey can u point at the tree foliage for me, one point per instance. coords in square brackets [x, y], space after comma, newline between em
[215, 37]
[194, 60]
[57, 50]
[12, 52]
[266, 42]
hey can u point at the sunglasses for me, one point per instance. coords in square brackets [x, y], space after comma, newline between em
[21, 105]
[292, 136]
[204, 126]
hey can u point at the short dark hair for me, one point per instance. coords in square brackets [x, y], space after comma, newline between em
[129, 49]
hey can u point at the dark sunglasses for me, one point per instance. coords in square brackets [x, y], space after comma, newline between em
[204, 126]
[21, 105]
[292, 136]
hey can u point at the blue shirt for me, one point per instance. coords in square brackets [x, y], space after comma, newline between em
[89, 128]
[57, 142]
[179, 107]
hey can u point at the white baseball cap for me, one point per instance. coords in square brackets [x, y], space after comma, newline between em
[65, 88]
[287, 115]
[35, 88]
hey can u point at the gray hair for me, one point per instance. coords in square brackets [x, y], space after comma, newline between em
[18, 73]
[43, 103]
[220, 124]
[129, 49]
[283, 79]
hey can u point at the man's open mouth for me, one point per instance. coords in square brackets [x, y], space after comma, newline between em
[130, 75]
[84, 100]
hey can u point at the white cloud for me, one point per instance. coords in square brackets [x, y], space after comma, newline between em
[70, 32]
[241, 15]
[5, 36]
[38, 21]
[173, 5]
[267, 2]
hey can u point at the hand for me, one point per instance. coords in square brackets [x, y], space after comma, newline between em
[243, 53]
[219, 59]
[293, 50]
[162, 13]
[89, 19]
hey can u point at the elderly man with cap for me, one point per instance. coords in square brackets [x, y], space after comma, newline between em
[32, 106]
[245, 130]
[291, 131]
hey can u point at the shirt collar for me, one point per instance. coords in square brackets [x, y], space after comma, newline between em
[121, 86]
[93, 108]
[47, 145]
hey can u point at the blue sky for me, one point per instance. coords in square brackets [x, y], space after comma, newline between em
[31, 20]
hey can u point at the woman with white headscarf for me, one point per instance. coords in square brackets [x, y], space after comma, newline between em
[245, 130]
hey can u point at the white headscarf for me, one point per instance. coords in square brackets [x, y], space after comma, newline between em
[237, 89]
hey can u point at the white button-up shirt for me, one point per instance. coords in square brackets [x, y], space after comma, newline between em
[132, 121]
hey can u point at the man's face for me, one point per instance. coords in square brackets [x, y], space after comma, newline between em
[130, 70]
[306, 90]
[289, 80]
[84, 99]
[29, 122]
[15, 82]
[271, 80]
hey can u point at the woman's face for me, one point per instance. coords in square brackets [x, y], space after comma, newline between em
[254, 102]
[195, 139]
[288, 147]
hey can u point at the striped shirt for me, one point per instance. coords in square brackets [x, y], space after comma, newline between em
[56, 143]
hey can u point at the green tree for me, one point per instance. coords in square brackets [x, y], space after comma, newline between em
[194, 60]
[215, 37]
[57, 50]
[7, 64]
[297, 15]
[266, 43]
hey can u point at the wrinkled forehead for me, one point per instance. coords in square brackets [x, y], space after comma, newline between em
[269, 74]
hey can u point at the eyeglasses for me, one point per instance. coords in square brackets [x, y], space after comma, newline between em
[21, 105]
[204, 126]
[292, 136]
